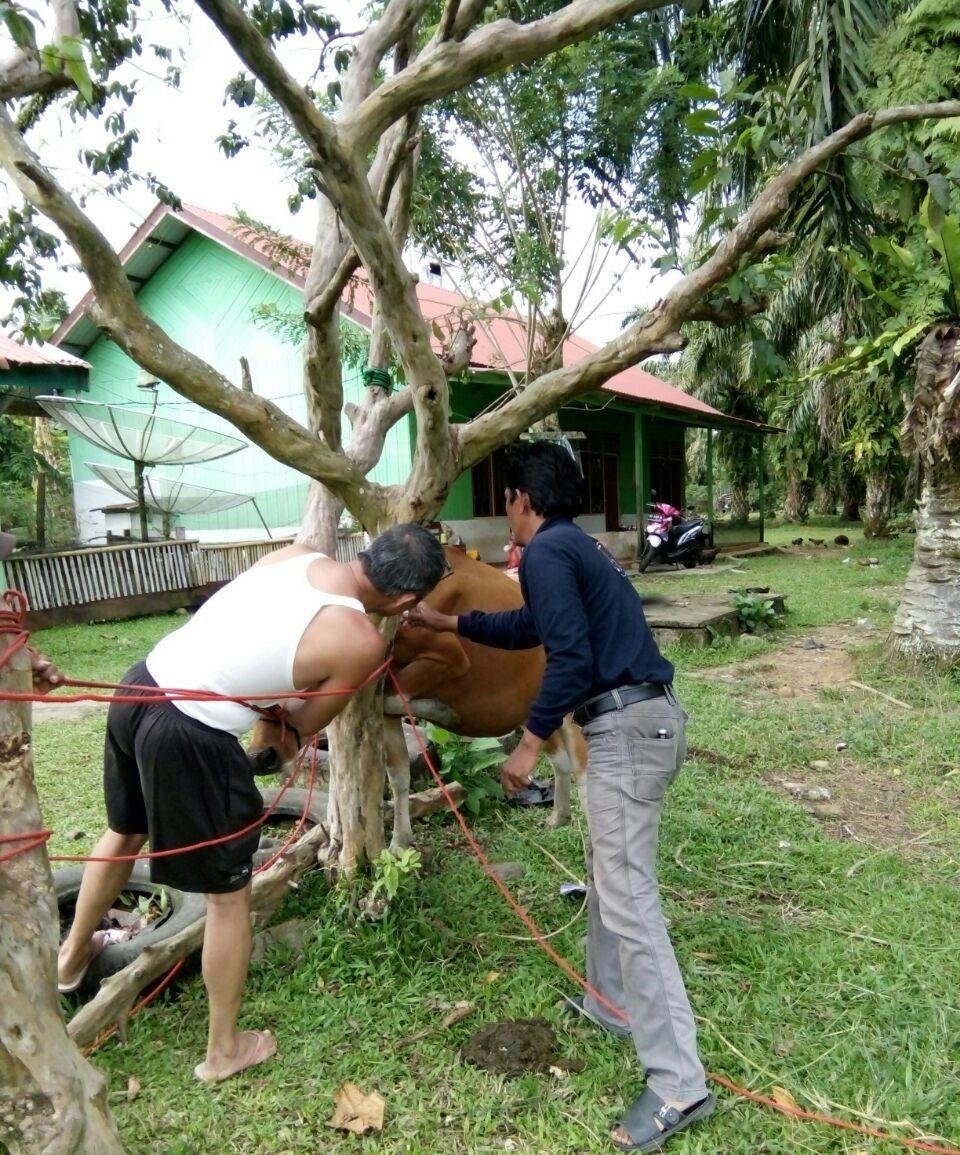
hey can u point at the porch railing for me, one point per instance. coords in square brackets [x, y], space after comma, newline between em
[117, 580]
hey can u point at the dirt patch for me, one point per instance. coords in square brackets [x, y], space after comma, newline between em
[514, 1046]
[819, 661]
[53, 711]
[871, 807]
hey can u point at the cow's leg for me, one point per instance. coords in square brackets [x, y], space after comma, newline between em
[398, 771]
[567, 752]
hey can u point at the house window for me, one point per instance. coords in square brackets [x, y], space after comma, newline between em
[598, 461]
[667, 470]
[489, 482]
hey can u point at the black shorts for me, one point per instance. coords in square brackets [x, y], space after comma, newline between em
[181, 783]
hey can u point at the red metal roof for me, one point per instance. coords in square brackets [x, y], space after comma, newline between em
[12, 353]
[501, 339]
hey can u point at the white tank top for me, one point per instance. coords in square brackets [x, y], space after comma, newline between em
[243, 641]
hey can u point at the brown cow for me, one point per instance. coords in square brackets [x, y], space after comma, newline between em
[472, 690]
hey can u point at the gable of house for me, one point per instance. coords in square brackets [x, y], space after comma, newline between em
[205, 296]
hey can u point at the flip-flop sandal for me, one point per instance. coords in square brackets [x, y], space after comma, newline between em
[536, 794]
[263, 1049]
[640, 1122]
[98, 944]
[575, 1009]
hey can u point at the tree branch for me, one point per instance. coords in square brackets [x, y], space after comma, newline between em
[658, 331]
[24, 75]
[397, 22]
[446, 66]
[118, 313]
[727, 313]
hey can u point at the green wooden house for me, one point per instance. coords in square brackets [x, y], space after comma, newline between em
[202, 277]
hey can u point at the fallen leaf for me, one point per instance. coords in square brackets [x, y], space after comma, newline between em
[356, 1110]
[557, 1072]
[782, 1096]
[460, 1011]
[133, 1088]
[707, 955]
[490, 977]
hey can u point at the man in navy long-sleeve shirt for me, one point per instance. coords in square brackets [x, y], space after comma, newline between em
[604, 666]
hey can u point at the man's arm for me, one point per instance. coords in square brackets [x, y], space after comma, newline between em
[503, 630]
[339, 665]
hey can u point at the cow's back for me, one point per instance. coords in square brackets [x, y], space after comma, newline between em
[495, 693]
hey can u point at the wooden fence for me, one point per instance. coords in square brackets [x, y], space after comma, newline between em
[120, 581]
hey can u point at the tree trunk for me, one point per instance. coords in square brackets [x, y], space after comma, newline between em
[796, 507]
[927, 625]
[52, 1102]
[739, 504]
[852, 498]
[878, 505]
[825, 501]
[357, 780]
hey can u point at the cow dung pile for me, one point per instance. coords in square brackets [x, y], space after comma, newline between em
[515, 1046]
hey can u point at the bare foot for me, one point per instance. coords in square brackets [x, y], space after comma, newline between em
[69, 974]
[254, 1047]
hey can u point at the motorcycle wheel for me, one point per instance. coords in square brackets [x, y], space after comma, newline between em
[645, 559]
[695, 559]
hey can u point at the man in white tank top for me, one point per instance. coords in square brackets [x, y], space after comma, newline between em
[175, 771]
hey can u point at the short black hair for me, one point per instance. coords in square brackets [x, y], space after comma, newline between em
[405, 559]
[547, 472]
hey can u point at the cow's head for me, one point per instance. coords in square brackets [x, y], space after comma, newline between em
[273, 747]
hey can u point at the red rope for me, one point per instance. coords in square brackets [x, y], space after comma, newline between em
[743, 1092]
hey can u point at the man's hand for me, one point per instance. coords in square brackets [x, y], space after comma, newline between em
[517, 771]
[46, 676]
[430, 619]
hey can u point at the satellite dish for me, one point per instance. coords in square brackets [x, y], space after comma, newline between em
[142, 437]
[170, 496]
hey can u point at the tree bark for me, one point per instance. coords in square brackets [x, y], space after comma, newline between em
[878, 504]
[825, 499]
[739, 504]
[796, 506]
[357, 781]
[852, 498]
[927, 625]
[52, 1102]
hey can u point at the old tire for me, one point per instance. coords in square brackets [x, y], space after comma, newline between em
[183, 909]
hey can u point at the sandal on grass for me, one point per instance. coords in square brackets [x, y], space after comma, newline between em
[98, 944]
[574, 1007]
[651, 1122]
[536, 794]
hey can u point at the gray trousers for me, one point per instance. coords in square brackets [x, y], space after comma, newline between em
[630, 961]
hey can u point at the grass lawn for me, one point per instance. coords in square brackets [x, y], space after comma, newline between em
[818, 938]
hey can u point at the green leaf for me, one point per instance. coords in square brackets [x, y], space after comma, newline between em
[71, 49]
[20, 28]
[694, 91]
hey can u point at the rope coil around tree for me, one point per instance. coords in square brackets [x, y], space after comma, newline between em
[375, 378]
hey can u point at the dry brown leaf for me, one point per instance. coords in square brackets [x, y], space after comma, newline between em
[490, 977]
[460, 1011]
[356, 1110]
[782, 1096]
[133, 1088]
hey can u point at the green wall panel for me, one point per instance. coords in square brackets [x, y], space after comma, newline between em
[203, 296]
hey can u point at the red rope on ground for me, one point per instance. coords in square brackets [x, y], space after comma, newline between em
[742, 1092]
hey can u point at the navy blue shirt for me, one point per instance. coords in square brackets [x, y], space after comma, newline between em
[581, 607]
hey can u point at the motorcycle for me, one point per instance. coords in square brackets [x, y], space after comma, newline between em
[670, 539]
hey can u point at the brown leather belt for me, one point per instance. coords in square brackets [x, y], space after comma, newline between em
[616, 700]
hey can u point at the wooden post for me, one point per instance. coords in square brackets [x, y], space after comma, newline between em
[638, 478]
[51, 1099]
[710, 508]
[760, 494]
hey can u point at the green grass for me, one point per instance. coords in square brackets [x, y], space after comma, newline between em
[827, 967]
